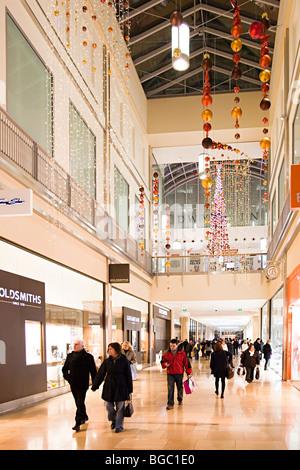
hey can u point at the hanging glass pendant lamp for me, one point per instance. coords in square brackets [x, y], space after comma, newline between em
[180, 42]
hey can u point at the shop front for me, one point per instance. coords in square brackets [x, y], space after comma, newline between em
[276, 328]
[41, 338]
[130, 322]
[161, 330]
[293, 327]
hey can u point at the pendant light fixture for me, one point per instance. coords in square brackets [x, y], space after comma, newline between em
[180, 42]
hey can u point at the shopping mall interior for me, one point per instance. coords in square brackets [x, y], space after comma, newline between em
[150, 190]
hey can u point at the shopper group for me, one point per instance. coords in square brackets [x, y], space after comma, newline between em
[119, 370]
[115, 372]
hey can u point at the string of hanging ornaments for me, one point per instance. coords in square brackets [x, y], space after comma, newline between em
[258, 30]
[236, 46]
[207, 142]
[75, 15]
[155, 199]
[168, 246]
[141, 221]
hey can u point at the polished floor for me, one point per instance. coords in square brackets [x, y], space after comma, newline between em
[263, 415]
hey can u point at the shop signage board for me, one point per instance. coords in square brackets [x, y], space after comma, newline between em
[295, 187]
[22, 307]
[119, 273]
[16, 202]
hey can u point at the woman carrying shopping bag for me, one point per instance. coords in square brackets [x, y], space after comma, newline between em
[116, 375]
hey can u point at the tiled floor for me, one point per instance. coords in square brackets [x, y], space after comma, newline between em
[262, 415]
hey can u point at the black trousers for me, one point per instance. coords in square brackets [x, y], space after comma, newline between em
[250, 374]
[172, 380]
[217, 378]
[79, 397]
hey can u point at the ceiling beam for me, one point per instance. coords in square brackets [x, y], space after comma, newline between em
[194, 54]
[164, 24]
[196, 32]
[137, 11]
[195, 72]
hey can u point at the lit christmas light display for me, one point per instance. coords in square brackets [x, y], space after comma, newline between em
[218, 241]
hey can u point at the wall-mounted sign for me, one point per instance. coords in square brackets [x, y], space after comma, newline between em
[14, 202]
[272, 271]
[119, 273]
[295, 187]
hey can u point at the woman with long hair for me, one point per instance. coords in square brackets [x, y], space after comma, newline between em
[219, 364]
[116, 374]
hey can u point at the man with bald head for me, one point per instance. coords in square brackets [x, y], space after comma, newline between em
[77, 368]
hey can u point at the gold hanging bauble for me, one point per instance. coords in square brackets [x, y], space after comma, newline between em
[177, 52]
[236, 113]
[265, 143]
[265, 76]
[207, 182]
[207, 115]
[236, 45]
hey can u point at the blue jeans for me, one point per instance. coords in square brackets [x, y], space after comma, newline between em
[172, 380]
[115, 414]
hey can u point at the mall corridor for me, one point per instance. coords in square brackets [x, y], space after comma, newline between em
[264, 415]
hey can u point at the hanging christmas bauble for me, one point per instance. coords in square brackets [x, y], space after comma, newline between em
[264, 50]
[176, 18]
[207, 115]
[256, 29]
[265, 76]
[206, 100]
[237, 73]
[236, 113]
[206, 90]
[265, 61]
[265, 143]
[207, 63]
[207, 143]
[265, 104]
[236, 57]
[265, 88]
[265, 21]
[177, 52]
[155, 174]
[207, 182]
[207, 127]
[236, 45]
[236, 30]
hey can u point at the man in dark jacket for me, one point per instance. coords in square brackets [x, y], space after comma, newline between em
[77, 368]
[175, 361]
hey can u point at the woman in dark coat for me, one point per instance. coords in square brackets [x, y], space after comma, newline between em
[116, 373]
[267, 351]
[250, 359]
[219, 365]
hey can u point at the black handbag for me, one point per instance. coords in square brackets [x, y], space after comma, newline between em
[257, 373]
[128, 409]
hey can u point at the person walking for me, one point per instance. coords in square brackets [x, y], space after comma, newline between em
[116, 374]
[219, 364]
[128, 351]
[250, 359]
[78, 367]
[267, 352]
[176, 362]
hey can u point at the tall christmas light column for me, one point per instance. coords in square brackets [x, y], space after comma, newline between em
[218, 240]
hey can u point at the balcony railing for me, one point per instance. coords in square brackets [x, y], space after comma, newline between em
[202, 264]
[67, 194]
